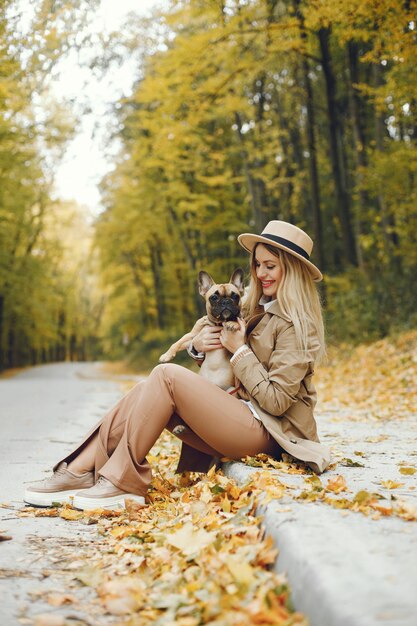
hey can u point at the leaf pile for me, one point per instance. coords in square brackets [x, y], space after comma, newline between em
[197, 555]
[378, 380]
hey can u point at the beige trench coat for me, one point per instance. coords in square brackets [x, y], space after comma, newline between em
[278, 379]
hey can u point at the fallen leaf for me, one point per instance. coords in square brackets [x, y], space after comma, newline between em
[350, 463]
[391, 484]
[408, 471]
[242, 572]
[90, 576]
[71, 514]
[385, 510]
[190, 540]
[337, 484]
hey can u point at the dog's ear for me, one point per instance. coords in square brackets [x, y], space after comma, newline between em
[205, 281]
[237, 279]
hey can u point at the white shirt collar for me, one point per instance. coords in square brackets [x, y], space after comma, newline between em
[266, 303]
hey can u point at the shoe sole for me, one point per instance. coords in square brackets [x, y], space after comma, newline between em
[48, 499]
[116, 502]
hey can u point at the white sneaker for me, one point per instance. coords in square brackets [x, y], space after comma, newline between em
[58, 488]
[104, 495]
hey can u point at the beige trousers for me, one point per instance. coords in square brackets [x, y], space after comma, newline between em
[218, 424]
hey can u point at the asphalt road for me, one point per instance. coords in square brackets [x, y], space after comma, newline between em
[44, 411]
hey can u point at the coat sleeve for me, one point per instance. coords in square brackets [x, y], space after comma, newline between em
[275, 388]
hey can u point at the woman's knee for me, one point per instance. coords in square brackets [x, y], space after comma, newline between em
[168, 371]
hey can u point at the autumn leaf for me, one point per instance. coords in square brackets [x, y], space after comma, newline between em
[122, 596]
[89, 576]
[391, 484]
[71, 514]
[350, 463]
[189, 540]
[336, 484]
[242, 572]
[385, 510]
[408, 471]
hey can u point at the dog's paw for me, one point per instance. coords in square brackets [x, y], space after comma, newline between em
[179, 430]
[232, 326]
[166, 357]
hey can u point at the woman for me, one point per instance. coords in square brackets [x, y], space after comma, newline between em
[273, 356]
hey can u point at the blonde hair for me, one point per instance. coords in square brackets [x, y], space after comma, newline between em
[298, 296]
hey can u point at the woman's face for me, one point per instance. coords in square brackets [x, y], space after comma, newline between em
[268, 270]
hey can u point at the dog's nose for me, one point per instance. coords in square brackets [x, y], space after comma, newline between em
[227, 314]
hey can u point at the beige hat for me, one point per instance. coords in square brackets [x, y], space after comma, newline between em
[287, 237]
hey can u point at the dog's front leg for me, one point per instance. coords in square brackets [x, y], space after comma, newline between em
[182, 343]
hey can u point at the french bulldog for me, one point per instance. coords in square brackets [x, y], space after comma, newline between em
[223, 308]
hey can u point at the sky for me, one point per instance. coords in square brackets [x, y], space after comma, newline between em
[88, 156]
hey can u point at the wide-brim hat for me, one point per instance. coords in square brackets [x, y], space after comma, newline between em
[286, 237]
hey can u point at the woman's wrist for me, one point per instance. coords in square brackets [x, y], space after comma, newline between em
[194, 353]
[240, 348]
[240, 353]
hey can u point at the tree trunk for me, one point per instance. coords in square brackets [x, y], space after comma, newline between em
[387, 218]
[256, 208]
[336, 152]
[359, 139]
[313, 170]
[156, 265]
[312, 151]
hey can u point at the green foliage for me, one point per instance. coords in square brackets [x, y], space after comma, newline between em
[47, 310]
[218, 138]
[301, 110]
[363, 309]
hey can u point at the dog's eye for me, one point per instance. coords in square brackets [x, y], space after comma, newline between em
[235, 297]
[214, 297]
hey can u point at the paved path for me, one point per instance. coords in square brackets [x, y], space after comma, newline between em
[43, 411]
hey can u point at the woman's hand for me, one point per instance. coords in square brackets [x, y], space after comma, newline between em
[208, 339]
[233, 339]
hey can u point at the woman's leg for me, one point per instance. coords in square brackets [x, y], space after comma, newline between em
[85, 459]
[220, 420]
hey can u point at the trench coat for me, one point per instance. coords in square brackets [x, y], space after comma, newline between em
[277, 377]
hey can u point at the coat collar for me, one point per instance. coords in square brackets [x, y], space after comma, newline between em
[277, 309]
[259, 313]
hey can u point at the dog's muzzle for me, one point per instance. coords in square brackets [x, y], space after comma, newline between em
[226, 311]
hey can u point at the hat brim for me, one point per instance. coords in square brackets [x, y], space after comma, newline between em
[249, 240]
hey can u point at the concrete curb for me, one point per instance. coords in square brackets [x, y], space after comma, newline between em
[345, 568]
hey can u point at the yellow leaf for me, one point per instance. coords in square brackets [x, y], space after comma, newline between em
[189, 540]
[120, 532]
[337, 484]
[391, 484]
[71, 514]
[385, 510]
[242, 572]
[408, 471]
[225, 504]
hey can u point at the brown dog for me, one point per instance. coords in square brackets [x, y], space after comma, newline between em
[223, 308]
